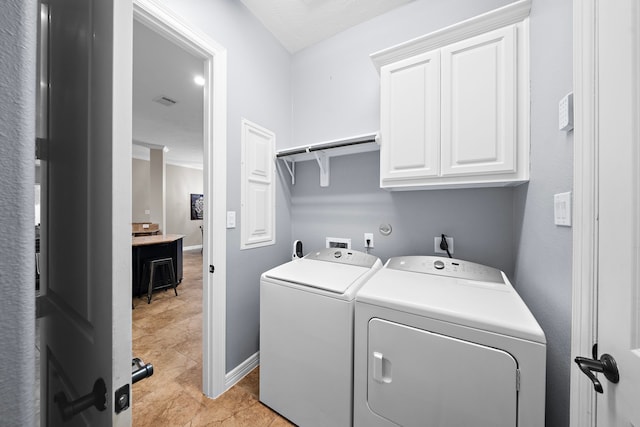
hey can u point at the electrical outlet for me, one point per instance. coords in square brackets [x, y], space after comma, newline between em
[436, 245]
[368, 240]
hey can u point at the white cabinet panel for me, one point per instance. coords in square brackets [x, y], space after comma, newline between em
[410, 120]
[479, 104]
[257, 186]
[258, 216]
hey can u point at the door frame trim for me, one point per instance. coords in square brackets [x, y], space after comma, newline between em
[214, 55]
[585, 226]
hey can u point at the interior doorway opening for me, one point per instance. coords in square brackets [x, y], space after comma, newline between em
[167, 218]
[213, 56]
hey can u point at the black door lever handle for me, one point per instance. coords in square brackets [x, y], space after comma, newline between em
[141, 371]
[606, 364]
[97, 398]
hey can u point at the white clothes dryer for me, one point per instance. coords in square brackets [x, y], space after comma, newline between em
[306, 335]
[445, 342]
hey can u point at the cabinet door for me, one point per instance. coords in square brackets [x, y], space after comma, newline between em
[410, 118]
[479, 105]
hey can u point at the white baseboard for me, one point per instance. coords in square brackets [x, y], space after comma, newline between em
[240, 371]
[191, 248]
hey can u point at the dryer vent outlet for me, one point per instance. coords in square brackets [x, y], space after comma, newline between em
[338, 242]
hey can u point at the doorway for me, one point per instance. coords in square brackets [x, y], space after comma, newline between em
[167, 172]
[164, 23]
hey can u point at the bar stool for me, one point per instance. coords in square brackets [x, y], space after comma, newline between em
[154, 264]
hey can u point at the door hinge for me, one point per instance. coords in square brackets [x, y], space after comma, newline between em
[41, 149]
[211, 269]
[517, 379]
[43, 306]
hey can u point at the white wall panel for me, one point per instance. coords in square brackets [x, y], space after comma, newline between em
[257, 187]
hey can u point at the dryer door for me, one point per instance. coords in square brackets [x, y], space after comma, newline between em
[418, 378]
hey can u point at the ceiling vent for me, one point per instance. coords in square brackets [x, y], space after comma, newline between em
[165, 100]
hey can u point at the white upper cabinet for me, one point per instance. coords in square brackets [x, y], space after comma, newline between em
[455, 105]
[410, 117]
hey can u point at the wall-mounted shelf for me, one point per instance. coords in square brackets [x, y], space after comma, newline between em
[322, 151]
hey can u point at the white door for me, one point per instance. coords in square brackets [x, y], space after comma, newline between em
[86, 247]
[616, 111]
[619, 149]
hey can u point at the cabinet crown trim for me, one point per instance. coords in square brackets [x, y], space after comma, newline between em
[497, 18]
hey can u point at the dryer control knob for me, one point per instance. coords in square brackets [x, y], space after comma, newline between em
[337, 254]
[439, 265]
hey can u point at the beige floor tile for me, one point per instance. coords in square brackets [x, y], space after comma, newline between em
[168, 334]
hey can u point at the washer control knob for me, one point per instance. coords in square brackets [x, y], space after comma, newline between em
[439, 265]
[337, 254]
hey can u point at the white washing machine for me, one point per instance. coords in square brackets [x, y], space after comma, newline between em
[445, 342]
[306, 335]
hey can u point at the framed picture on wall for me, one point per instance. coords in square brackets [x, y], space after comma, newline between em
[197, 206]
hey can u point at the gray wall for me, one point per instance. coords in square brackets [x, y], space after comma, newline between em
[180, 183]
[258, 75]
[354, 204]
[544, 250]
[17, 169]
[140, 198]
[336, 94]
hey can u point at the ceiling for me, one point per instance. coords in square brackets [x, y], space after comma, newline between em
[163, 69]
[300, 23]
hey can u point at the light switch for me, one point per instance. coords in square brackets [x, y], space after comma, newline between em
[231, 219]
[562, 209]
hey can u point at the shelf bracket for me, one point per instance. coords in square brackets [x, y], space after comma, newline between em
[291, 169]
[323, 164]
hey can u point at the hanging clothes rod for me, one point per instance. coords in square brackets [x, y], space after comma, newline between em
[355, 140]
[321, 152]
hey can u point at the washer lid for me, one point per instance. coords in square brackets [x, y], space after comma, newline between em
[326, 270]
[485, 305]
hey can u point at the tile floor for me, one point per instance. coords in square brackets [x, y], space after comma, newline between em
[168, 334]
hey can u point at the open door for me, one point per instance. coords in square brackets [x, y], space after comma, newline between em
[84, 307]
[618, 308]
[606, 322]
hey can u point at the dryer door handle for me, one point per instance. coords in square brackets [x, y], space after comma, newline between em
[381, 368]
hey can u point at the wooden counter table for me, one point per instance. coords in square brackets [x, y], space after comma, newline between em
[145, 248]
